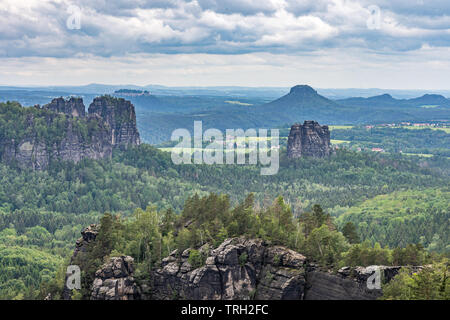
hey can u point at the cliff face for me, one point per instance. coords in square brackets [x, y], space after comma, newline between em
[115, 281]
[74, 141]
[120, 116]
[88, 235]
[73, 107]
[238, 269]
[61, 130]
[309, 139]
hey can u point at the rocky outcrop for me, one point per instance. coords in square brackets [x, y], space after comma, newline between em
[70, 135]
[72, 107]
[88, 235]
[238, 269]
[114, 281]
[309, 139]
[37, 152]
[349, 283]
[120, 116]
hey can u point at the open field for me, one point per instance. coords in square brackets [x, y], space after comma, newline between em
[340, 127]
[333, 141]
[446, 129]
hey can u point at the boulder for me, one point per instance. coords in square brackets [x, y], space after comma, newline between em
[114, 281]
[238, 269]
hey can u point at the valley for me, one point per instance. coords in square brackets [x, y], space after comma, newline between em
[389, 181]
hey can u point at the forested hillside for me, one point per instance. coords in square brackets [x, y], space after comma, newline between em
[44, 211]
[384, 199]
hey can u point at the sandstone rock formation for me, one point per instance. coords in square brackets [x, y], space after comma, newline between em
[114, 281]
[309, 139]
[73, 107]
[349, 283]
[110, 123]
[237, 269]
[34, 152]
[88, 235]
[120, 115]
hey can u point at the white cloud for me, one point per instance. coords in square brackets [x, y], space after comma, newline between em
[193, 37]
[423, 68]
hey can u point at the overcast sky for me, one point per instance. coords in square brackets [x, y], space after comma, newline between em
[403, 44]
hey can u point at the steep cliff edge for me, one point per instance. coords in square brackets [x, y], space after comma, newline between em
[120, 116]
[61, 131]
[238, 269]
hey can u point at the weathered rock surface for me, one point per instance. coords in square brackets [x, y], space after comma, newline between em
[120, 115]
[114, 281]
[348, 283]
[237, 269]
[72, 107]
[110, 123]
[33, 152]
[310, 139]
[88, 235]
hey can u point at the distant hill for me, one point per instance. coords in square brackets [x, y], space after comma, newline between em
[301, 97]
[300, 104]
[387, 100]
[304, 103]
[167, 109]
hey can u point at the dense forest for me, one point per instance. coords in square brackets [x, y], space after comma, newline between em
[424, 141]
[150, 235]
[361, 207]
[42, 212]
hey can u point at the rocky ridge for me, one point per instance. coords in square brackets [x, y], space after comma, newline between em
[110, 123]
[238, 269]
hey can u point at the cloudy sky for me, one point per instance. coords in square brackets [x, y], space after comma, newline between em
[403, 44]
